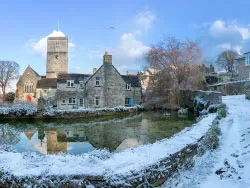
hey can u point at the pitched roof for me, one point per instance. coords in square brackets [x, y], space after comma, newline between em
[47, 83]
[63, 77]
[132, 79]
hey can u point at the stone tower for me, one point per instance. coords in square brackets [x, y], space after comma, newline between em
[57, 56]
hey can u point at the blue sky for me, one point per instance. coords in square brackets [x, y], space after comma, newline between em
[215, 25]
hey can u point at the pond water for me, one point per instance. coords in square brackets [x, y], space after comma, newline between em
[78, 137]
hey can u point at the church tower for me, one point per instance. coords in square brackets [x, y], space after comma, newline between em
[57, 56]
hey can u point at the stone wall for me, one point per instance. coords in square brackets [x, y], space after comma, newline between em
[185, 99]
[231, 88]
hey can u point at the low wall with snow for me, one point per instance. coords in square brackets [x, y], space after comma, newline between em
[29, 111]
[231, 88]
[187, 97]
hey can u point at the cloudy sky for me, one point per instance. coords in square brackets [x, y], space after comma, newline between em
[125, 29]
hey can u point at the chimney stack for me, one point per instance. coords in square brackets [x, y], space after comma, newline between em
[107, 58]
[94, 70]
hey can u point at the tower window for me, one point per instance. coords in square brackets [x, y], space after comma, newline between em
[70, 83]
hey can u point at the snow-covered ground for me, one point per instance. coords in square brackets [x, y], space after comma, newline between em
[229, 166]
[101, 162]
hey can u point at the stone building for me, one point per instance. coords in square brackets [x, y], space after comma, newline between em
[106, 87]
[243, 66]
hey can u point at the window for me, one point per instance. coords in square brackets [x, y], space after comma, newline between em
[81, 84]
[128, 86]
[247, 60]
[70, 83]
[72, 100]
[127, 101]
[81, 102]
[28, 87]
[97, 81]
[63, 101]
[97, 101]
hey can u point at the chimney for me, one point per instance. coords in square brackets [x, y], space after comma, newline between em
[127, 73]
[94, 70]
[107, 58]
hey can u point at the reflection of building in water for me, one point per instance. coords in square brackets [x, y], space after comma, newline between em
[129, 143]
[53, 145]
[71, 134]
[30, 133]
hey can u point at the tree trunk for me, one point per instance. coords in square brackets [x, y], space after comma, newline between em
[3, 97]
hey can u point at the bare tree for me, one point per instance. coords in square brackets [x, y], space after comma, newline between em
[178, 65]
[8, 71]
[226, 60]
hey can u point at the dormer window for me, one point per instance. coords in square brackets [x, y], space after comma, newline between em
[70, 83]
[128, 86]
[97, 81]
[81, 84]
[247, 60]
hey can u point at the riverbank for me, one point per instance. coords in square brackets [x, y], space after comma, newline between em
[30, 111]
[145, 165]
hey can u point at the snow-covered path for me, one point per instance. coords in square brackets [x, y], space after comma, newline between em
[229, 166]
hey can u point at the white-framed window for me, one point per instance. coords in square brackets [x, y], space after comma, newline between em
[97, 81]
[70, 83]
[97, 101]
[81, 85]
[63, 101]
[128, 86]
[81, 102]
[127, 101]
[247, 60]
[72, 100]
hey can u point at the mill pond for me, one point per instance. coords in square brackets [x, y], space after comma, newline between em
[82, 136]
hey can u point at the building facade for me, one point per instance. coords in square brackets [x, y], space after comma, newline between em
[106, 87]
[244, 66]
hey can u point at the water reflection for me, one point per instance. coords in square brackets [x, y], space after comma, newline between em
[78, 138]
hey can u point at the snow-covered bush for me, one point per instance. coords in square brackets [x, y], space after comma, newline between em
[183, 111]
[24, 109]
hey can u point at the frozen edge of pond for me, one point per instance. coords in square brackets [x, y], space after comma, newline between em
[101, 162]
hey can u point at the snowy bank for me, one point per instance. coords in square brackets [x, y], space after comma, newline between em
[122, 167]
[28, 110]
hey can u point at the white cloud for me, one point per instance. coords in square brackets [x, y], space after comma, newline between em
[40, 46]
[129, 53]
[221, 35]
[144, 19]
[130, 47]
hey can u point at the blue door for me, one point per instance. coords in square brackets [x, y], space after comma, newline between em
[131, 102]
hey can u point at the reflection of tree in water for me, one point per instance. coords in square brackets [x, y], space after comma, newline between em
[8, 136]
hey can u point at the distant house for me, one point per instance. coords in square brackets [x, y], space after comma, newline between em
[243, 66]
